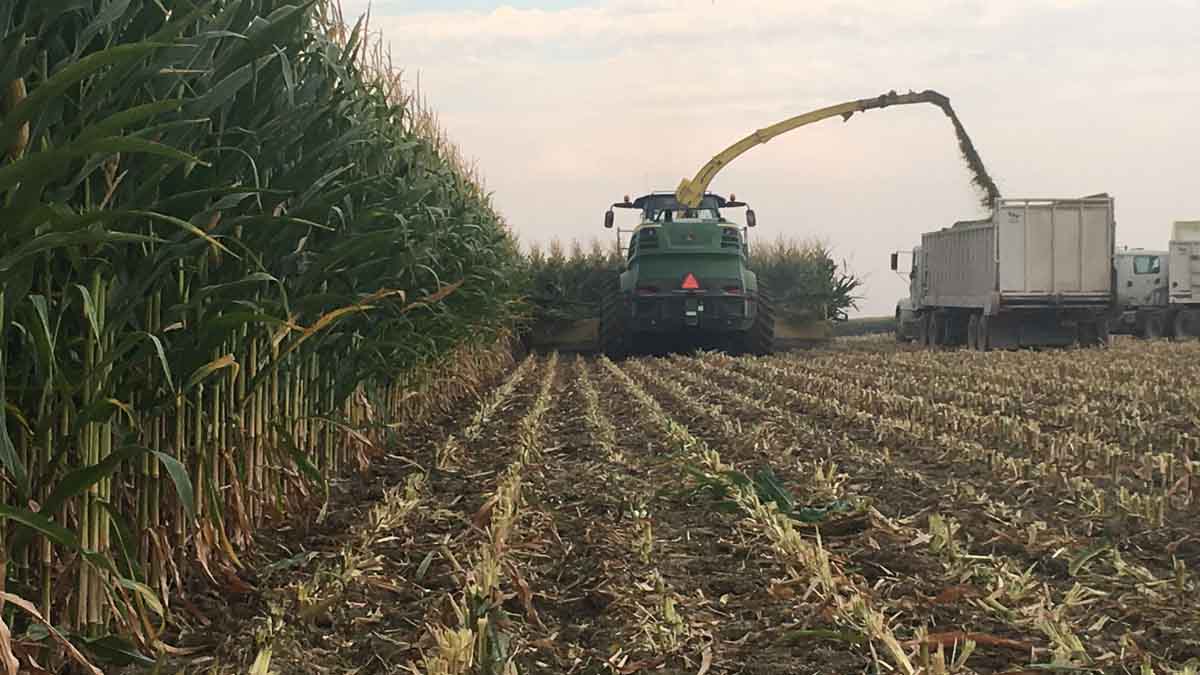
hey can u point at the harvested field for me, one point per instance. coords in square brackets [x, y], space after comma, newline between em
[865, 508]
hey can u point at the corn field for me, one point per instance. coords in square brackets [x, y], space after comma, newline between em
[805, 281]
[862, 508]
[235, 255]
[264, 412]
[569, 283]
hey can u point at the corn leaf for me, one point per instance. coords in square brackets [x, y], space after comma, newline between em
[64, 79]
[203, 372]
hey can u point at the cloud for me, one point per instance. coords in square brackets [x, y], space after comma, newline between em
[566, 109]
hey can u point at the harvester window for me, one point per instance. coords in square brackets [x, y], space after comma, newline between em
[692, 214]
[1146, 264]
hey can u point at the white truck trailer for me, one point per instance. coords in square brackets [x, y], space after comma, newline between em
[1158, 292]
[1039, 272]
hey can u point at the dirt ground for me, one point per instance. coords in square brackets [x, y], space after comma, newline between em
[859, 509]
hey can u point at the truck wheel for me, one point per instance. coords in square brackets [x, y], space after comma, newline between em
[614, 341]
[1093, 333]
[1187, 324]
[956, 329]
[1086, 333]
[899, 326]
[940, 333]
[973, 332]
[923, 330]
[1151, 326]
[985, 334]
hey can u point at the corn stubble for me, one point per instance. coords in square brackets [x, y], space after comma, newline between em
[941, 561]
[852, 390]
[928, 402]
[481, 643]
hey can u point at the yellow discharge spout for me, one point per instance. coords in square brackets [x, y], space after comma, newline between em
[691, 191]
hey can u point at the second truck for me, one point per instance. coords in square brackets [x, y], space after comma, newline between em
[1038, 272]
[1158, 292]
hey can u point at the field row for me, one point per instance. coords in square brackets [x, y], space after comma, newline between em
[789, 514]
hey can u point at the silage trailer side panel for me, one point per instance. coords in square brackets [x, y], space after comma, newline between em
[959, 265]
[1054, 251]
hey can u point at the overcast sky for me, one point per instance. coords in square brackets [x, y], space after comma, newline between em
[566, 106]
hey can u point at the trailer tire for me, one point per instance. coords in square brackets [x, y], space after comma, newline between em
[1151, 326]
[923, 330]
[985, 334]
[1187, 324]
[1093, 333]
[940, 333]
[956, 329]
[973, 332]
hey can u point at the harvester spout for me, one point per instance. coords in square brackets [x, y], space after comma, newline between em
[691, 191]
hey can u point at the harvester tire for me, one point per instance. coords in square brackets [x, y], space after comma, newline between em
[614, 341]
[761, 340]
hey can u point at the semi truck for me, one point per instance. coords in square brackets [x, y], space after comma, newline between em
[1037, 272]
[1158, 292]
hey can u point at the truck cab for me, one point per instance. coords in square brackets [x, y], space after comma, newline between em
[1158, 292]
[1141, 278]
[906, 308]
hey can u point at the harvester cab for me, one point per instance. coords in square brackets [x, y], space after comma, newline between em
[686, 280]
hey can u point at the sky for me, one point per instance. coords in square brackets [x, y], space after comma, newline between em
[567, 105]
